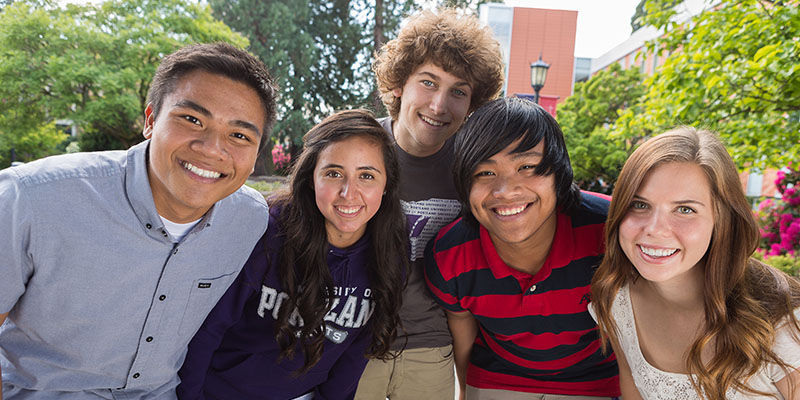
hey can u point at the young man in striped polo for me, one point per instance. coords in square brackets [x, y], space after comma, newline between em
[513, 273]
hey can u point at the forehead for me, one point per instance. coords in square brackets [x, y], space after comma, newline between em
[352, 151]
[675, 180]
[429, 67]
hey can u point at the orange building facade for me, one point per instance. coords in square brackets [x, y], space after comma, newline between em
[525, 34]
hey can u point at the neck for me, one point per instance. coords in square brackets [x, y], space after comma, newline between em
[681, 293]
[525, 258]
[530, 254]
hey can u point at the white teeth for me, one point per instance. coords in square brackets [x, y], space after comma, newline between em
[510, 211]
[431, 121]
[348, 210]
[202, 172]
[657, 252]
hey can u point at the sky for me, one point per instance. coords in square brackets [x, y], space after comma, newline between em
[602, 24]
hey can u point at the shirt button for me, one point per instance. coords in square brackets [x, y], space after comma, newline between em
[136, 376]
[175, 252]
[148, 226]
[532, 289]
[149, 339]
[162, 297]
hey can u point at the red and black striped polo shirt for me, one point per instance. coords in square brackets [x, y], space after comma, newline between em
[535, 333]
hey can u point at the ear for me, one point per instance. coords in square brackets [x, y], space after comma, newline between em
[149, 121]
[397, 92]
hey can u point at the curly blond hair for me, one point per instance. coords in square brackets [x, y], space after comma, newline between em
[459, 44]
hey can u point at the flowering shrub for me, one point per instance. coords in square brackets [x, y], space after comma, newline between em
[281, 157]
[780, 218]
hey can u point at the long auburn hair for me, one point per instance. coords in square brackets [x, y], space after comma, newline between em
[302, 259]
[744, 299]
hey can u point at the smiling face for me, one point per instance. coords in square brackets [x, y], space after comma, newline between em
[669, 224]
[515, 205]
[204, 143]
[349, 180]
[433, 105]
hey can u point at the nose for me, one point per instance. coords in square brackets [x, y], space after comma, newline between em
[506, 186]
[211, 145]
[657, 223]
[348, 189]
[438, 104]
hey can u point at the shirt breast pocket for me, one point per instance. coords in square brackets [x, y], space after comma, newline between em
[203, 296]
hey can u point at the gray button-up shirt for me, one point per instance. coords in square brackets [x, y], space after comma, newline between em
[102, 303]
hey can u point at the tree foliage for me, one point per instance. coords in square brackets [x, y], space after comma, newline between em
[733, 68]
[89, 64]
[319, 53]
[585, 118]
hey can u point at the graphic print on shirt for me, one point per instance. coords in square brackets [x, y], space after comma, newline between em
[425, 218]
[356, 309]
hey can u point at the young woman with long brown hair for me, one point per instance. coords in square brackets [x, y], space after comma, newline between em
[321, 291]
[686, 309]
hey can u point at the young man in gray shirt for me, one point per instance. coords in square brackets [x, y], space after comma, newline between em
[441, 67]
[111, 260]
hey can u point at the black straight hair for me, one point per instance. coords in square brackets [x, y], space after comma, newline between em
[498, 124]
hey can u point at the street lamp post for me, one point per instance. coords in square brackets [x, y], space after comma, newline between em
[538, 76]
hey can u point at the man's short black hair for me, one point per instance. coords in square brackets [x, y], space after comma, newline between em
[221, 59]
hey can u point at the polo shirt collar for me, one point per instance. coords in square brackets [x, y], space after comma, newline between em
[562, 243]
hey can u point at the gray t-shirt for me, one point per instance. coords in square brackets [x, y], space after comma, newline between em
[102, 300]
[430, 202]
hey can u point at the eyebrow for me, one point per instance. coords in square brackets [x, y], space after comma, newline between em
[202, 110]
[365, 168]
[438, 78]
[679, 202]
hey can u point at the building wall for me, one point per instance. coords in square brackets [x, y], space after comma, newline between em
[550, 33]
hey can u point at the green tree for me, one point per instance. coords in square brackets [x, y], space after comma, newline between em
[91, 65]
[585, 118]
[732, 68]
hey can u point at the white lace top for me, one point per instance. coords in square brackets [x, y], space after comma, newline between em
[656, 384]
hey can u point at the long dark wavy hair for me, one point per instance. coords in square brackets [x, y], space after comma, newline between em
[744, 299]
[302, 259]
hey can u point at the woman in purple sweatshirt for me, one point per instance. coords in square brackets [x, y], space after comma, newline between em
[321, 291]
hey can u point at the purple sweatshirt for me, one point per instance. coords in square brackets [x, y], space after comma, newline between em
[234, 355]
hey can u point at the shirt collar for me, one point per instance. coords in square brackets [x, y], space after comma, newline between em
[562, 243]
[140, 195]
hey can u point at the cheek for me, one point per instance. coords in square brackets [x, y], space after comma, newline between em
[373, 198]
[697, 235]
[476, 195]
[628, 229]
[322, 195]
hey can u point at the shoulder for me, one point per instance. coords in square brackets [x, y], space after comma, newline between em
[593, 209]
[453, 235]
[247, 199]
[787, 340]
[68, 167]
